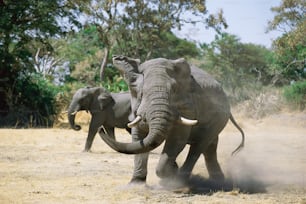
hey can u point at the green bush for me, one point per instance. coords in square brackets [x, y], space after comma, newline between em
[33, 104]
[295, 94]
[116, 84]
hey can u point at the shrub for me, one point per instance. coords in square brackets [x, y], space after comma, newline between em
[116, 84]
[295, 94]
[31, 103]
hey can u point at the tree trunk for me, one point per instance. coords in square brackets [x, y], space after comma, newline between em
[104, 62]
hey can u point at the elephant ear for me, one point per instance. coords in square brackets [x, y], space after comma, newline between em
[181, 68]
[180, 73]
[182, 86]
[104, 99]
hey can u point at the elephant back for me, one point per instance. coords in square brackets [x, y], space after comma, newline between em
[204, 79]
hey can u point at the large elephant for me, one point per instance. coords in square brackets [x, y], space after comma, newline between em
[164, 94]
[107, 109]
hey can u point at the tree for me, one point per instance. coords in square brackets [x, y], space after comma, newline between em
[84, 51]
[134, 28]
[26, 27]
[290, 48]
[237, 65]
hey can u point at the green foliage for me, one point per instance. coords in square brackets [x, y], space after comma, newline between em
[239, 67]
[290, 48]
[24, 27]
[174, 47]
[84, 51]
[79, 46]
[137, 28]
[116, 84]
[295, 94]
[33, 102]
[140, 29]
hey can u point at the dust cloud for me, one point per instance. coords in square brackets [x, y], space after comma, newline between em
[273, 159]
[274, 156]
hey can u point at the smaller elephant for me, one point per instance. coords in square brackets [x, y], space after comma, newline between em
[108, 109]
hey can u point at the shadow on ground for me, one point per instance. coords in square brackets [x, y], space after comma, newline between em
[200, 185]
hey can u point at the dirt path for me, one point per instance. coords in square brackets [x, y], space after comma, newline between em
[47, 166]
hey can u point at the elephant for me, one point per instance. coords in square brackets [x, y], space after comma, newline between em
[108, 109]
[178, 104]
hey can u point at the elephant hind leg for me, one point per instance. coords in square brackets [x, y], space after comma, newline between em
[211, 161]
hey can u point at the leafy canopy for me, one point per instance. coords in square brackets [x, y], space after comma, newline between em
[236, 65]
[135, 28]
[290, 48]
[24, 27]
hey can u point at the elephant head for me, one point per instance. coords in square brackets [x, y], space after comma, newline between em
[160, 90]
[89, 99]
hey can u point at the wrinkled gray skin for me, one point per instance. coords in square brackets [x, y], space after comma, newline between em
[107, 109]
[162, 90]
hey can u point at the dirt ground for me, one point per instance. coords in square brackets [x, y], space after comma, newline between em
[48, 166]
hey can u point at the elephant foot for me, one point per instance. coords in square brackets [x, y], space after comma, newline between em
[217, 177]
[183, 176]
[86, 151]
[174, 184]
[136, 184]
[138, 181]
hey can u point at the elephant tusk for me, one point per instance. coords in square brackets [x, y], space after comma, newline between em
[73, 113]
[134, 122]
[188, 122]
[64, 112]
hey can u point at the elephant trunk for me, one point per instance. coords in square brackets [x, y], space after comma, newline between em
[154, 138]
[159, 122]
[71, 117]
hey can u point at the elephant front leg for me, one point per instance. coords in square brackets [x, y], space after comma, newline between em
[91, 135]
[167, 168]
[93, 129]
[140, 162]
[140, 168]
[89, 140]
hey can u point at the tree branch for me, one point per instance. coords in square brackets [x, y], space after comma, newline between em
[104, 62]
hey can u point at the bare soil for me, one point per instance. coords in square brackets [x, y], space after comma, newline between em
[48, 166]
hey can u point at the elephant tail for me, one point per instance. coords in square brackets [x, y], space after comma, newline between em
[242, 134]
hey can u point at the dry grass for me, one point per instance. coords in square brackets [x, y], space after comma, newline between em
[261, 105]
[47, 166]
